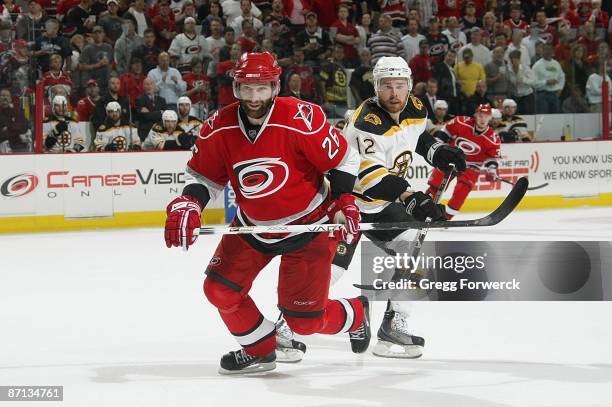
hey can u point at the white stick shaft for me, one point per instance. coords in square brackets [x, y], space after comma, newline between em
[236, 230]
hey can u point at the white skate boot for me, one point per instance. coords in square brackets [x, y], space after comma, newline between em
[288, 350]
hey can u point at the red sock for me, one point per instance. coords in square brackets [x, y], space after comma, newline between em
[343, 315]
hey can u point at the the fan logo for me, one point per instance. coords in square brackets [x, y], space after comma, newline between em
[19, 185]
[261, 177]
[468, 147]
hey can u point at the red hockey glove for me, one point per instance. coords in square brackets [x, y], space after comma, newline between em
[344, 210]
[183, 216]
[491, 173]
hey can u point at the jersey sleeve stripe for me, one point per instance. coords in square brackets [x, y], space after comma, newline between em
[369, 170]
[372, 179]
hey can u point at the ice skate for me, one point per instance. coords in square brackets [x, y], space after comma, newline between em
[288, 350]
[360, 337]
[240, 362]
[394, 340]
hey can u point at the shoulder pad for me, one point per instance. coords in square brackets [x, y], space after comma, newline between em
[415, 107]
[102, 127]
[298, 115]
[370, 118]
[158, 127]
[194, 119]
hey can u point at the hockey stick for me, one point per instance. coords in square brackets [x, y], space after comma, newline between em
[499, 214]
[417, 242]
[528, 189]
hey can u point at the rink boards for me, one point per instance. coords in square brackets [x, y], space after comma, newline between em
[103, 190]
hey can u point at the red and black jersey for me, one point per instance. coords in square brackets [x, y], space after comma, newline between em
[194, 80]
[479, 148]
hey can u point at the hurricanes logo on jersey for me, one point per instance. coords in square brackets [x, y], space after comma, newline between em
[261, 177]
[468, 147]
[401, 164]
[304, 113]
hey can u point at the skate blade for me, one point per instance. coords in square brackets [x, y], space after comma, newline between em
[386, 349]
[289, 355]
[258, 368]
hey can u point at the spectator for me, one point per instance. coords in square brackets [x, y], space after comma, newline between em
[98, 8]
[188, 10]
[16, 64]
[186, 121]
[448, 83]
[334, 84]
[14, 135]
[520, 83]
[56, 76]
[482, 55]
[362, 80]
[594, 91]
[478, 98]
[230, 39]
[214, 13]
[215, 43]
[165, 27]
[148, 52]
[549, 81]
[327, 10]
[62, 9]
[590, 42]
[384, 43]
[294, 88]
[167, 135]
[111, 22]
[86, 106]
[168, 80]
[469, 73]
[469, 19]
[112, 95]
[344, 32]
[137, 14]
[314, 41]
[575, 102]
[490, 31]
[431, 95]
[364, 29]
[79, 19]
[225, 70]
[517, 44]
[188, 45]
[277, 43]
[308, 85]
[126, 46]
[248, 38]
[61, 132]
[576, 69]
[597, 16]
[438, 42]
[411, 40]
[568, 15]
[497, 81]
[131, 82]
[97, 59]
[149, 108]
[114, 134]
[245, 10]
[543, 31]
[29, 25]
[456, 37]
[51, 43]
[395, 10]
[198, 88]
[516, 22]
[447, 9]
[426, 9]
[438, 119]
[420, 64]
[232, 10]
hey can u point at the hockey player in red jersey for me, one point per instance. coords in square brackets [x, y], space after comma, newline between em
[481, 147]
[275, 152]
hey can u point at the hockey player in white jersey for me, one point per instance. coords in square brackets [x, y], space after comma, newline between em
[190, 124]
[168, 135]
[115, 135]
[61, 131]
[387, 130]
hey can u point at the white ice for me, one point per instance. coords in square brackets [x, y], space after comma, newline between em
[119, 320]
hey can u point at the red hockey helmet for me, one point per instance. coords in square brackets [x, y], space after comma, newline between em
[256, 67]
[484, 108]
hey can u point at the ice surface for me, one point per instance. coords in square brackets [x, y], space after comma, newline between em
[119, 320]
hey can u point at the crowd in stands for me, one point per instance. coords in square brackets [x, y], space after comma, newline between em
[124, 65]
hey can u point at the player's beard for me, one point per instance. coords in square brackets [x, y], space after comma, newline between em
[258, 109]
[394, 104]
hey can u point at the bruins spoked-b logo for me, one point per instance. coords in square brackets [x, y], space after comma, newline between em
[401, 164]
[19, 185]
[120, 143]
[261, 176]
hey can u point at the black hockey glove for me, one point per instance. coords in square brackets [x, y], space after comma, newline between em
[442, 136]
[445, 155]
[61, 127]
[50, 141]
[134, 147]
[185, 141]
[420, 206]
[110, 147]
